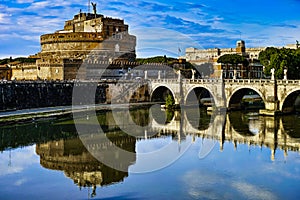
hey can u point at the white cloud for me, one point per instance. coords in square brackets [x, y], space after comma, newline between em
[39, 5]
[211, 185]
[25, 1]
[4, 18]
[12, 36]
[16, 161]
[253, 192]
[20, 182]
[1, 17]
[166, 42]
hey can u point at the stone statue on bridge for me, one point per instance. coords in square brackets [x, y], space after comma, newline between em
[272, 74]
[221, 74]
[179, 75]
[285, 74]
[193, 74]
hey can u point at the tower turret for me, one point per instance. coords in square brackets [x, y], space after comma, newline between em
[240, 47]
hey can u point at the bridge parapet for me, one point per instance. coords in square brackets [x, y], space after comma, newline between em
[290, 82]
[202, 81]
[166, 81]
[248, 81]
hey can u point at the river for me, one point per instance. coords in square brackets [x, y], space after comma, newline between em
[148, 153]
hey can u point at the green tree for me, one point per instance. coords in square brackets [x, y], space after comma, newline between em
[156, 59]
[233, 59]
[170, 103]
[20, 59]
[281, 59]
[169, 115]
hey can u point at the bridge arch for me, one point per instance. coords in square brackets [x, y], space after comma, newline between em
[197, 91]
[198, 119]
[161, 117]
[238, 93]
[290, 126]
[160, 92]
[245, 125]
[288, 102]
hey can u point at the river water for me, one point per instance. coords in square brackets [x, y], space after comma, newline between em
[147, 153]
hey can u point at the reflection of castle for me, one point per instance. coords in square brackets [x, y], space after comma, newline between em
[88, 36]
[78, 164]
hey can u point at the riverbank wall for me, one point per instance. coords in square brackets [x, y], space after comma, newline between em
[19, 95]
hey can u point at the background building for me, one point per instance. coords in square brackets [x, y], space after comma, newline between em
[205, 60]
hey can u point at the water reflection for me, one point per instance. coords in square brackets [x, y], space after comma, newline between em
[60, 148]
[71, 157]
[247, 124]
[240, 128]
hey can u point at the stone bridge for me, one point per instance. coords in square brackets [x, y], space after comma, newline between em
[279, 96]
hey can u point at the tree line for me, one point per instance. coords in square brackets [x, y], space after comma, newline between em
[281, 59]
[271, 57]
[5, 61]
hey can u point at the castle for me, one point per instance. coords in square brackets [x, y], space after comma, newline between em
[87, 38]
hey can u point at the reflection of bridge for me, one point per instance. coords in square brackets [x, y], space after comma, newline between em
[261, 131]
[278, 95]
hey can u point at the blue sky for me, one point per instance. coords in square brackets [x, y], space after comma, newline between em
[161, 26]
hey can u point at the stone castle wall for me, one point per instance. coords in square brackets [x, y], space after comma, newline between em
[69, 37]
[64, 42]
[24, 71]
[80, 45]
